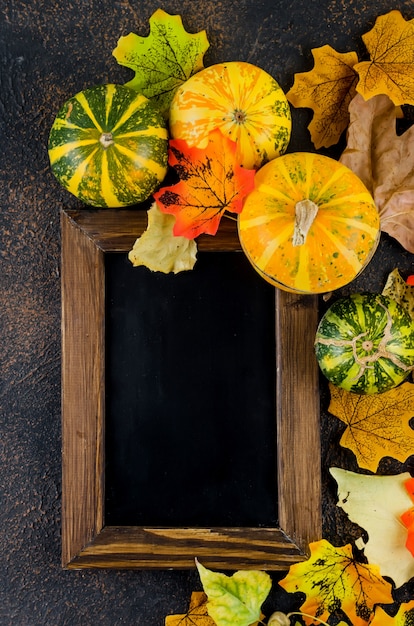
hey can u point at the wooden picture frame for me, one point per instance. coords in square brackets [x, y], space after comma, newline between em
[87, 235]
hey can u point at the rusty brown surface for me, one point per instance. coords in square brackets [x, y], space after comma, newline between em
[49, 50]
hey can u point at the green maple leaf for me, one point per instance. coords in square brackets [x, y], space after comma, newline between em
[164, 60]
[234, 600]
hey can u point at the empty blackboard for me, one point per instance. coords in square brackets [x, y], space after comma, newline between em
[190, 406]
[108, 519]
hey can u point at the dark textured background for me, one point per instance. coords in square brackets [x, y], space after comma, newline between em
[49, 50]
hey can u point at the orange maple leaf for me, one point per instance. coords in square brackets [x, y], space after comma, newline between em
[377, 424]
[327, 89]
[332, 579]
[211, 182]
[197, 614]
[390, 70]
[404, 617]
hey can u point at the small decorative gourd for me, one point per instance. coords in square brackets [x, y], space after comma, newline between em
[241, 100]
[310, 225]
[108, 146]
[365, 343]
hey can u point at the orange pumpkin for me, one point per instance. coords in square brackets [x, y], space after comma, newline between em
[243, 101]
[310, 225]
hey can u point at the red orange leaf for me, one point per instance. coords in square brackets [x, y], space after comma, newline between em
[407, 518]
[332, 579]
[212, 182]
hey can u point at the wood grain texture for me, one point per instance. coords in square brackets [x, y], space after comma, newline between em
[83, 389]
[87, 543]
[298, 409]
[222, 548]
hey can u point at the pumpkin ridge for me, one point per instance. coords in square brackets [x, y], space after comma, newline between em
[84, 103]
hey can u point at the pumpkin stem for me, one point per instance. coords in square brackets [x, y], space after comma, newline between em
[305, 213]
[106, 140]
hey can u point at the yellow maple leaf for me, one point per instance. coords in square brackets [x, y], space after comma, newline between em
[197, 614]
[327, 89]
[390, 70]
[377, 424]
[332, 579]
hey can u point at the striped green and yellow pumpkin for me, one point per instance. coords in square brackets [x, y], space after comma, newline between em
[309, 225]
[365, 343]
[108, 146]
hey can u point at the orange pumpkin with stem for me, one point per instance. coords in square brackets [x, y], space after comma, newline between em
[310, 225]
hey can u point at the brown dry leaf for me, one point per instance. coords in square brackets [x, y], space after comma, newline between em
[327, 89]
[197, 614]
[390, 69]
[159, 249]
[377, 424]
[385, 163]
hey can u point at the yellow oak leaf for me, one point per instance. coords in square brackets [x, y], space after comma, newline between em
[376, 503]
[197, 614]
[390, 70]
[377, 424]
[332, 579]
[404, 617]
[327, 89]
[159, 249]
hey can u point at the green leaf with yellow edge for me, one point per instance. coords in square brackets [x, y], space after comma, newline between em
[164, 59]
[159, 249]
[333, 579]
[377, 424]
[376, 504]
[397, 288]
[235, 600]
[404, 616]
[327, 89]
[197, 614]
[390, 70]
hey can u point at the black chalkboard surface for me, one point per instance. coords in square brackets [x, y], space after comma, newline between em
[190, 383]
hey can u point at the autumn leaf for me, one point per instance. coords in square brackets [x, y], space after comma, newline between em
[235, 600]
[197, 614]
[332, 579]
[376, 504]
[383, 161]
[407, 517]
[160, 250]
[377, 424]
[327, 89]
[211, 182]
[390, 70]
[164, 60]
[404, 616]
[398, 289]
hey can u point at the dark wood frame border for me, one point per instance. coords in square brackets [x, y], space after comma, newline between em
[86, 542]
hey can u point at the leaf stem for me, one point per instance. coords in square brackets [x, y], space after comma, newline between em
[230, 217]
[307, 615]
